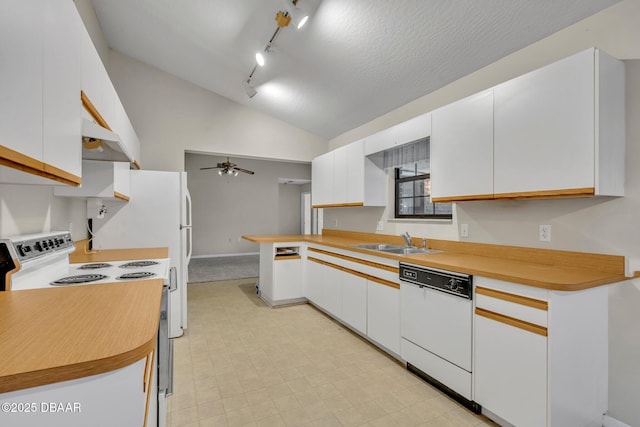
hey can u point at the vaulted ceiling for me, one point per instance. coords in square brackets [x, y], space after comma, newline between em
[354, 61]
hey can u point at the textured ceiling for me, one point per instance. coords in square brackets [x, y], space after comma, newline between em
[354, 61]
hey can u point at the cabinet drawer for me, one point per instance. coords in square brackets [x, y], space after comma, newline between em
[512, 305]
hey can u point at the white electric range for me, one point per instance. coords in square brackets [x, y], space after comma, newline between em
[42, 261]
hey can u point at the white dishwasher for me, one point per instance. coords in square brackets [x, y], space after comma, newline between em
[436, 328]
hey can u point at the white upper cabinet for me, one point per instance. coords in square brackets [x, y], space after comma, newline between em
[405, 132]
[559, 130]
[121, 144]
[345, 177]
[40, 102]
[462, 149]
[322, 180]
[62, 106]
[100, 179]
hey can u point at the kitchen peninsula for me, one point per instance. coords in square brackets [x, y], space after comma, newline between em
[89, 347]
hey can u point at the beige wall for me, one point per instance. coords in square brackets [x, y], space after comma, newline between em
[224, 208]
[605, 225]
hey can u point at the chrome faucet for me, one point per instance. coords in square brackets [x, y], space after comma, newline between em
[407, 238]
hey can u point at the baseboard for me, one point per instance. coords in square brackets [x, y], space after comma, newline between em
[609, 421]
[225, 255]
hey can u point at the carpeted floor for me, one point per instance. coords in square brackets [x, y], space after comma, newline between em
[223, 268]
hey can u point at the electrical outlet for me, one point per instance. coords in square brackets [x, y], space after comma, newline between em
[335, 222]
[464, 230]
[544, 233]
[380, 226]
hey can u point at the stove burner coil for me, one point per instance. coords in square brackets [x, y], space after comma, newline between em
[94, 266]
[138, 264]
[79, 279]
[136, 275]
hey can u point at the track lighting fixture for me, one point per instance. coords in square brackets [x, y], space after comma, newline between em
[293, 12]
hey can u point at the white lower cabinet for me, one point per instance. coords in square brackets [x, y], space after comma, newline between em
[354, 301]
[540, 356]
[383, 315]
[511, 372]
[116, 398]
[287, 275]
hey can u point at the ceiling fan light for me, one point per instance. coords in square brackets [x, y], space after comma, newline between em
[260, 59]
[235, 173]
[220, 172]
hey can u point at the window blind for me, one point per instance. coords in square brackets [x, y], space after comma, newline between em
[412, 152]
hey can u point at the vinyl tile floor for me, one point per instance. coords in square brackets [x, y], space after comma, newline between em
[241, 363]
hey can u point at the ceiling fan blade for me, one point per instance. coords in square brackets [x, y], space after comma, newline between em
[211, 167]
[245, 171]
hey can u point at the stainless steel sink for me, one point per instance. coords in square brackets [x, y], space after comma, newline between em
[409, 251]
[378, 246]
[396, 249]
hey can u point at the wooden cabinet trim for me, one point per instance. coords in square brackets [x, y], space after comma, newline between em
[286, 257]
[521, 324]
[136, 164]
[463, 198]
[121, 196]
[358, 260]
[19, 161]
[148, 378]
[339, 205]
[385, 282]
[92, 110]
[517, 299]
[356, 273]
[571, 192]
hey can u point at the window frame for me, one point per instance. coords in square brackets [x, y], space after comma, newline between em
[397, 198]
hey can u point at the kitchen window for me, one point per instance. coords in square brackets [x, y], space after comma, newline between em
[413, 194]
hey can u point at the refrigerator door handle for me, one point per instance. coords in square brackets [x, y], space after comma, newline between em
[188, 225]
[183, 227]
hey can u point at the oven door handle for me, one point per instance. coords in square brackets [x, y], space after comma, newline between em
[173, 279]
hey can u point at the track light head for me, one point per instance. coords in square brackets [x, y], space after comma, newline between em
[249, 89]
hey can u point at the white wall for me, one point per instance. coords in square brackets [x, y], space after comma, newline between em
[224, 208]
[26, 209]
[603, 225]
[171, 115]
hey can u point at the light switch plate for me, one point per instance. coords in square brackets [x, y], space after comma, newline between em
[380, 226]
[464, 230]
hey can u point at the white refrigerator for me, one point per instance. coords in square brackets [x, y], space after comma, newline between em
[158, 214]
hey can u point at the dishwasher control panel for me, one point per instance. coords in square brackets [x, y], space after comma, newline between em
[458, 284]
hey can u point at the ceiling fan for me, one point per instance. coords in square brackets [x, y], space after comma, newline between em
[228, 168]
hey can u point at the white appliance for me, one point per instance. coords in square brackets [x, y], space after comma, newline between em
[36, 261]
[158, 214]
[436, 323]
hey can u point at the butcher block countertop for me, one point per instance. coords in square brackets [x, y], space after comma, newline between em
[59, 334]
[542, 268]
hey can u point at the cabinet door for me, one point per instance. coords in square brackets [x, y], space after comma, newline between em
[340, 175]
[21, 70]
[61, 87]
[510, 373]
[544, 128]
[311, 288]
[383, 315]
[322, 179]
[355, 172]
[332, 290]
[462, 149]
[354, 301]
[286, 279]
